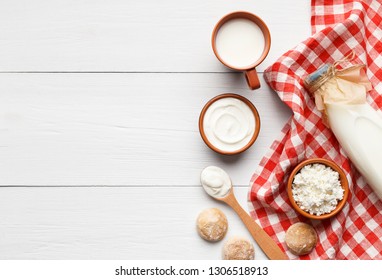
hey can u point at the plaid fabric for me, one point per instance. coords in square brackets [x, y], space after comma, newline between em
[356, 232]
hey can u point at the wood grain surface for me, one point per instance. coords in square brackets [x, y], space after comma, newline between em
[99, 102]
[129, 35]
[110, 129]
[135, 222]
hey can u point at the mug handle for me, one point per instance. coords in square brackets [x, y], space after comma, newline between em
[252, 79]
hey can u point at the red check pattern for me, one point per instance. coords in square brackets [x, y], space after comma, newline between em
[338, 27]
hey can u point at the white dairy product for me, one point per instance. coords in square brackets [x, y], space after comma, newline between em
[358, 128]
[215, 181]
[240, 42]
[229, 124]
[342, 96]
[316, 188]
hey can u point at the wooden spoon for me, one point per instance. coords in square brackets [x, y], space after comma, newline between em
[266, 243]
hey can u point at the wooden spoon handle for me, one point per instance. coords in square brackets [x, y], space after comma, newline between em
[266, 243]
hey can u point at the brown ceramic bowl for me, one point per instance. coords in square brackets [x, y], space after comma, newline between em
[344, 184]
[254, 111]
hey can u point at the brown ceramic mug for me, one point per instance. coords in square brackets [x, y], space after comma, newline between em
[250, 69]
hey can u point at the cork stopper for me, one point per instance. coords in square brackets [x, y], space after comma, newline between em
[315, 80]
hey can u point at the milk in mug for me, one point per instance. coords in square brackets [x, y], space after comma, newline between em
[240, 42]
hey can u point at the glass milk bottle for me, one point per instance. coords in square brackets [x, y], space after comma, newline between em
[341, 96]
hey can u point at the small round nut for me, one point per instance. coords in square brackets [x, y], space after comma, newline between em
[301, 238]
[212, 224]
[238, 248]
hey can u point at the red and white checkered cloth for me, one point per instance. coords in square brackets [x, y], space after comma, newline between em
[338, 26]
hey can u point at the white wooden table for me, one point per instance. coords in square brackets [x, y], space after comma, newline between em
[99, 145]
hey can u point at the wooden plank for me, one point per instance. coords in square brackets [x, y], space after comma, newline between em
[129, 35]
[109, 223]
[120, 129]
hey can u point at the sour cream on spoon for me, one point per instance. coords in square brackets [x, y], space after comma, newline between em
[217, 183]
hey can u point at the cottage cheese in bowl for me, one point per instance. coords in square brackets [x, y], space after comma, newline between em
[317, 188]
[229, 124]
